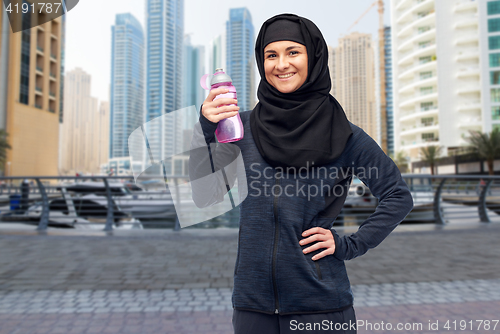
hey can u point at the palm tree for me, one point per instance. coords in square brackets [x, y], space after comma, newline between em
[4, 146]
[487, 145]
[430, 154]
[401, 161]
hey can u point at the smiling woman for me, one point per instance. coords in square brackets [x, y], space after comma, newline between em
[285, 65]
[290, 265]
[296, 112]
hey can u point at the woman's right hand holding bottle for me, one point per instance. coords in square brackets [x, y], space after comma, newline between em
[219, 109]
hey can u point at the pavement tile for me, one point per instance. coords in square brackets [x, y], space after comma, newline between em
[220, 322]
[442, 275]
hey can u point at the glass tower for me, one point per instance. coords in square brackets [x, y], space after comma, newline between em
[127, 83]
[165, 33]
[194, 69]
[388, 90]
[492, 81]
[240, 46]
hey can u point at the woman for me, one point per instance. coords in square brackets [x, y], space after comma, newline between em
[300, 154]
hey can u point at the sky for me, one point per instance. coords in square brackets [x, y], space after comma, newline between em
[88, 26]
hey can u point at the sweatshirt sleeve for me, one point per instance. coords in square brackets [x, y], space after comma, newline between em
[208, 128]
[212, 166]
[374, 168]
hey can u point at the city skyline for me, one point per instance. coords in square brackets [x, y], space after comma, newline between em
[204, 21]
[161, 92]
[469, 102]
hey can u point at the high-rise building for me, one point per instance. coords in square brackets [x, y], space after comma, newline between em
[389, 127]
[193, 69]
[217, 56]
[30, 93]
[489, 27]
[164, 41]
[4, 66]
[353, 80]
[80, 151]
[436, 74]
[62, 62]
[332, 67]
[127, 83]
[240, 55]
[101, 133]
[192, 93]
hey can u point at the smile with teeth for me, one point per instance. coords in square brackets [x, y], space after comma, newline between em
[284, 76]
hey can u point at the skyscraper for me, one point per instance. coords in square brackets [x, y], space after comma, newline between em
[217, 55]
[353, 80]
[489, 28]
[62, 62]
[240, 52]
[78, 151]
[192, 92]
[30, 94]
[127, 82]
[436, 74]
[388, 90]
[193, 69]
[101, 133]
[332, 52]
[165, 33]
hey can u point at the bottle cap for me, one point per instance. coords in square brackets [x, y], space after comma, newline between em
[220, 77]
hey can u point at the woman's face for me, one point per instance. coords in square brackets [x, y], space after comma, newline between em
[285, 65]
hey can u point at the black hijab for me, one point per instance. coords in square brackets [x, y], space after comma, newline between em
[305, 128]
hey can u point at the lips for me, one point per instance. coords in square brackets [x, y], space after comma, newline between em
[285, 76]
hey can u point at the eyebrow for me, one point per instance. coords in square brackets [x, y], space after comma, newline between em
[287, 49]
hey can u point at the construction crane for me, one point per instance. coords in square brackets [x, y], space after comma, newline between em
[381, 43]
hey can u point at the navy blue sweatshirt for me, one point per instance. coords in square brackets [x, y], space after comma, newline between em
[272, 274]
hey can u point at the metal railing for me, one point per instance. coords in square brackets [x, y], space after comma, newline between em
[87, 202]
[419, 126]
[442, 199]
[419, 142]
[107, 203]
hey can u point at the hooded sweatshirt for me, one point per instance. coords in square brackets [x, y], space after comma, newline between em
[272, 274]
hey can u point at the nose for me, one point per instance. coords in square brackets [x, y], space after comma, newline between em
[282, 64]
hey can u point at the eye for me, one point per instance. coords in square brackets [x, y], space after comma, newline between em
[294, 53]
[271, 55]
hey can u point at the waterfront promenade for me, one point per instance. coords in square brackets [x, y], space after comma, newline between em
[162, 281]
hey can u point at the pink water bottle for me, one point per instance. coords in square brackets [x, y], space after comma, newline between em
[229, 129]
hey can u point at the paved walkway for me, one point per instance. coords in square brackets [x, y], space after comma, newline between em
[129, 301]
[180, 282]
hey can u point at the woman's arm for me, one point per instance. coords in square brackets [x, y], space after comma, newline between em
[212, 166]
[382, 176]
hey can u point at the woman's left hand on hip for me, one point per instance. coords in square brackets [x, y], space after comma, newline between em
[324, 239]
